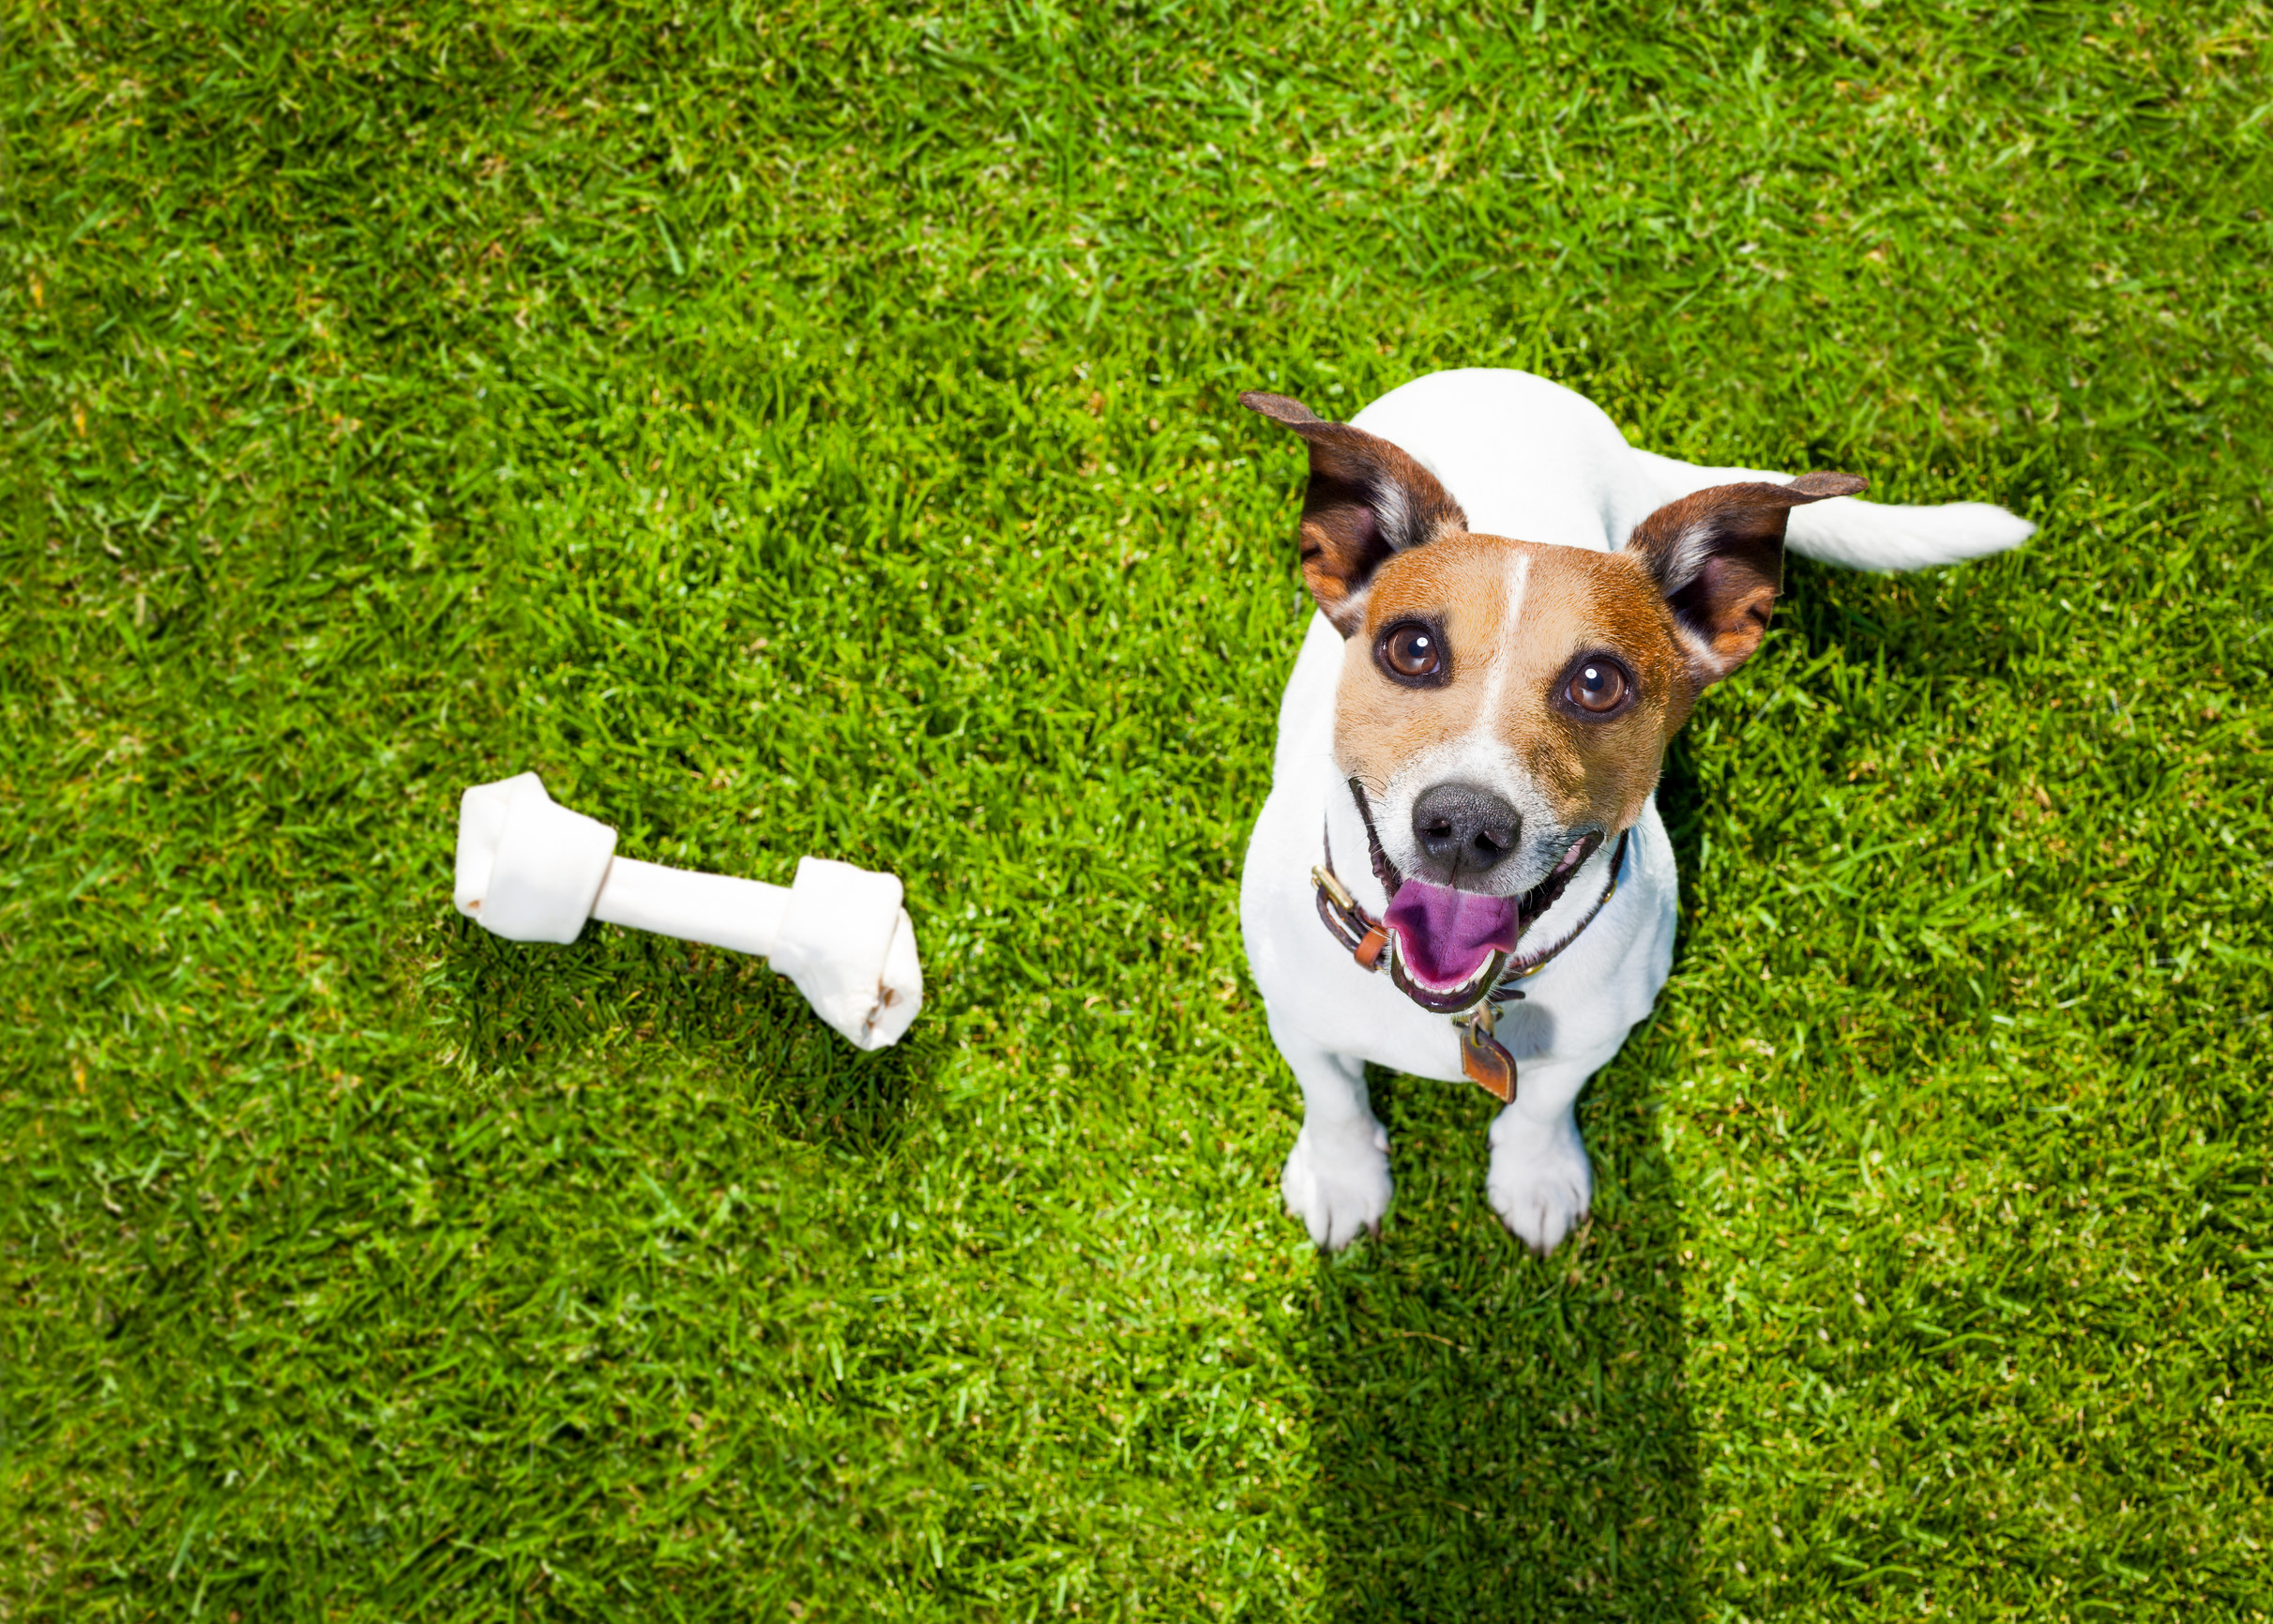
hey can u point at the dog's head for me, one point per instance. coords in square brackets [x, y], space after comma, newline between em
[1506, 704]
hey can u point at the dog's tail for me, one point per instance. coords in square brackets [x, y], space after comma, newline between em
[1859, 535]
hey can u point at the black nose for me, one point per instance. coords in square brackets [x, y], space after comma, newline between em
[1466, 829]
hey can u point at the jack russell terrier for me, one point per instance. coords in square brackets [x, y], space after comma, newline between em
[1459, 869]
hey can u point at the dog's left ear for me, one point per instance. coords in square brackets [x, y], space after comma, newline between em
[1718, 556]
[1367, 500]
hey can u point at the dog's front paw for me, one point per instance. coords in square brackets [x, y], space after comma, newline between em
[1540, 1182]
[1337, 1181]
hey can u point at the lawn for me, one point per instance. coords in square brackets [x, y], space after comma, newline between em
[815, 432]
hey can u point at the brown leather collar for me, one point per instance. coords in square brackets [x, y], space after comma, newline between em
[1364, 935]
[1483, 1057]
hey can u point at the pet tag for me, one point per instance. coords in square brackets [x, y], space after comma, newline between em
[1484, 1058]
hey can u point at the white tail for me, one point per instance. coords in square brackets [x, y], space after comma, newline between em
[1859, 535]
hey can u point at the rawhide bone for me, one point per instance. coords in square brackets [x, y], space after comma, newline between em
[530, 870]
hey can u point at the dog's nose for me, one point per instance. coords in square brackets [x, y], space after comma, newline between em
[1466, 829]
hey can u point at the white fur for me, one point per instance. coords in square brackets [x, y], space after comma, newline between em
[1505, 656]
[1528, 459]
[1859, 535]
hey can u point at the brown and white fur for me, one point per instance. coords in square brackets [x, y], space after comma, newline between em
[1546, 560]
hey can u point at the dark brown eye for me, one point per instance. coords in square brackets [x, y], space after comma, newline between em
[1411, 651]
[1597, 686]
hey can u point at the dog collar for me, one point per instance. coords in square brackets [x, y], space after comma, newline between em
[1483, 1057]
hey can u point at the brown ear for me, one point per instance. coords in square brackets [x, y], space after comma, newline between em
[1718, 556]
[1367, 499]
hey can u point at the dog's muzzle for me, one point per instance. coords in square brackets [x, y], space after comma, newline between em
[1451, 951]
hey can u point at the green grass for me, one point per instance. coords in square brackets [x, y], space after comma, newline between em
[815, 433]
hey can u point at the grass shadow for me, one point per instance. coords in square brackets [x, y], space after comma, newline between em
[622, 999]
[1498, 1436]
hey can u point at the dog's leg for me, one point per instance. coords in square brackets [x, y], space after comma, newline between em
[1337, 1178]
[1541, 1183]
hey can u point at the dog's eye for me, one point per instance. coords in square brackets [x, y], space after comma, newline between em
[1411, 651]
[1597, 687]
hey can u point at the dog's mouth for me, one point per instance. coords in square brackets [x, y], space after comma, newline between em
[1453, 944]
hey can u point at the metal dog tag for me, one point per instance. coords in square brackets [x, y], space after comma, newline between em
[1484, 1058]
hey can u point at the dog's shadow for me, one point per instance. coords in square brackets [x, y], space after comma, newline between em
[1498, 1436]
[618, 1000]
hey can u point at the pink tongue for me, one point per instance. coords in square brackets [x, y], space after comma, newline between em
[1445, 936]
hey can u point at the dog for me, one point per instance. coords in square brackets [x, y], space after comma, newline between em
[1459, 870]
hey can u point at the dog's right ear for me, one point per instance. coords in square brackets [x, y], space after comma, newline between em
[1367, 499]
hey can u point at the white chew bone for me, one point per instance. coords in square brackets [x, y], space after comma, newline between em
[531, 870]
